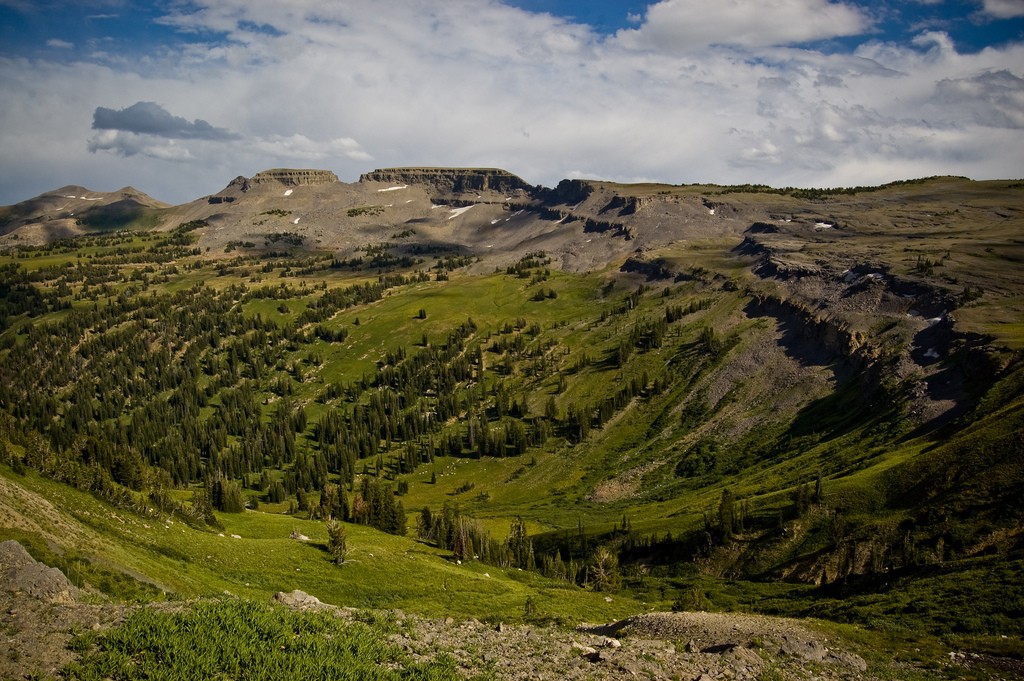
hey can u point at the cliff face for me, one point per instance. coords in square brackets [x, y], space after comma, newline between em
[451, 180]
[288, 177]
[293, 177]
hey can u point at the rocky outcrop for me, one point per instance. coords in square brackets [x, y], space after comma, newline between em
[20, 573]
[654, 270]
[568, 192]
[292, 177]
[623, 205]
[451, 180]
[288, 177]
[810, 332]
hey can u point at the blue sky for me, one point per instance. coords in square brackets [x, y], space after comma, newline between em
[176, 97]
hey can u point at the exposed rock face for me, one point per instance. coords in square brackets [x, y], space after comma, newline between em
[293, 178]
[21, 573]
[288, 177]
[451, 180]
[570, 192]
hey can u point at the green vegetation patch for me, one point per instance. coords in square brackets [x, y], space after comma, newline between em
[365, 210]
[241, 639]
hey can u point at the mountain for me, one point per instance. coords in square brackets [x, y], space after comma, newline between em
[803, 402]
[71, 210]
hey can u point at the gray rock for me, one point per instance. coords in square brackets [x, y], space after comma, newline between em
[847, 660]
[21, 573]
[812, 650]
[582, 649]
[298, 599]
[741, 657]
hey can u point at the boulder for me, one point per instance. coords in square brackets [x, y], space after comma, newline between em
[21, 573]
[298, 599]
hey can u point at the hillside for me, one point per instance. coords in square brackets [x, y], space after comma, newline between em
[607, 398]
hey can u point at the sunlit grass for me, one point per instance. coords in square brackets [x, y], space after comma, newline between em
[243, 639]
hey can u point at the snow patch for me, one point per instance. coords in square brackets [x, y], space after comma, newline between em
[393, 189]
[296, 221]
[494, 222]
[288, 192]
[931, 354]
[711, 211]
[456, 212]
[823, 225]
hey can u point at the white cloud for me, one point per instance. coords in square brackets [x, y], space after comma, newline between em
[303, 148]
[1003, 9]
[130, 144]
[59, 44]
[692, 24]
[355, 85]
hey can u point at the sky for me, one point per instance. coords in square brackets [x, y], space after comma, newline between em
[178, 97]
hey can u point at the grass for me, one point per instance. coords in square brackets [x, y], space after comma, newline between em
[242, 639]
[382, 571]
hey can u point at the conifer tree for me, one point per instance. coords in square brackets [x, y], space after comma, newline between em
[337, 541]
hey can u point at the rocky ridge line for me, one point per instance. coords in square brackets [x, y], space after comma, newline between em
[292, 177]
[451, 180]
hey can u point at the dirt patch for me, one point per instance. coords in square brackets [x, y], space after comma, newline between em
[625, 486]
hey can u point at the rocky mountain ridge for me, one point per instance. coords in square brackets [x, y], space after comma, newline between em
[451, 180]
[856, 271]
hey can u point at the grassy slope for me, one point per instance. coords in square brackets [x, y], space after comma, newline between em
[382, 571]
[865, 465]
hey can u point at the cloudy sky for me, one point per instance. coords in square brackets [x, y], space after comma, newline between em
[177, 97]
